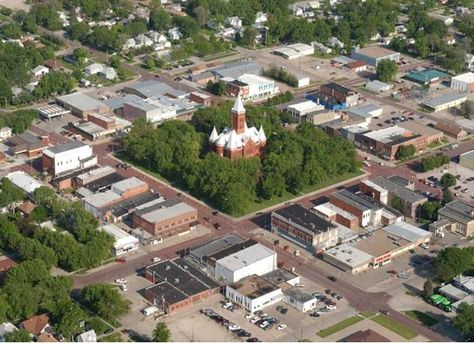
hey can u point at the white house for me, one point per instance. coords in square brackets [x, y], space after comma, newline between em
[469, 58]
[142, 40]
[109, 73]
[334, 42]
[87, 337]
[261, 18]
[68, 157]
[234, 22]
[129, 44]
[175, 34]
[256, 259]
[94, 68]
[227, 32]
[253, 293]
[40, 71]
[157, 37]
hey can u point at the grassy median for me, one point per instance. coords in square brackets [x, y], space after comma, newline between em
[421, 317]
[398, 328]
[339, 326]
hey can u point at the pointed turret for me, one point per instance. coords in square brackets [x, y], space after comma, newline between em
[213, 137]
[238, 107]
[261, 134]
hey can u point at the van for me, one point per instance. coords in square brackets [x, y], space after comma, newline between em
[150, 310]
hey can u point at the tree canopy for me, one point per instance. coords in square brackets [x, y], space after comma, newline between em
[105, 301]
[387, 70]
[464, 320]
[453, 261]
[161, 333]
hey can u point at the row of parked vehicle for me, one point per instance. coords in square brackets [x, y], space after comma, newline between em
[233, 328]
[330, 305]
[264, 321]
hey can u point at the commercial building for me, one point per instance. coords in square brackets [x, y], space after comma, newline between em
[467, 160]
[458, 217]
[372, 55]
[52, 111]
[235, 69]
[300, 300]
[253, 293]
[27, 143]
[177, 285]
[339, 94]
[451, 129]
[201, 252]
[153, 111]
[166, 218]
[427, 77]
[348, 258]
[385, 190]
[463, 83]
[338, 215]
[258, 86]
[367, 212]
[304, 227]
[357, 66]
[282, 278]
[300, 111]
[154, 88]
[294, 51]
[69, 157]
[123, 242]
[443, 102]
[377, 86]
[101, 204]
[24, 181]
[256, 259]
[82, 105]
[367, 111]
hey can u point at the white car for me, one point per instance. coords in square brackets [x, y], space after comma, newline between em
[281, 327]
[155, 259]
[249, 316]
[254, 320]
[121, 281]
[233, 327]
[331, 307]
[262, 325]
[123, 287]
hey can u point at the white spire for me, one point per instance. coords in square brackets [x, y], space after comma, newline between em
[261, 134]
[213, 137]
[238, 105]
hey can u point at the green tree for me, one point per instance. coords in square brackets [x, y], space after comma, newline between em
[447, 196]
[79, 31]
[405, 152]
[464, 320]
[453, 261]
[201, 14]
[187, 25]
[5, 91]
[387, 70]
[397, 203]
[9, 193]
[150, 63]
[67, 316]
[248, 37]
[427, 289]
[429, 210]
[161, 333]
[18, 336]
[467, 109]
[159, 20]
[105, 301]
[447, 180]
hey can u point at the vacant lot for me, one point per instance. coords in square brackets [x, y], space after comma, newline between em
[339, 326]
[394, 326]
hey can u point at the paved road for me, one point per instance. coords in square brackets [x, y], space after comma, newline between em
[357, 298]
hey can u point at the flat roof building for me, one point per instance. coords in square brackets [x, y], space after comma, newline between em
[151, 88]
[451, 129]
[166, 219]
[445, 101]
[460, 215]
[82, 105]
[52, 111]
[372, 55]
[463, 83]
[201, 252]
[299, 299]
[256, 259]
[253, 293]
[123, 242]
[304, 227]
[367, 111]
[301, 110]
[427, 76]
[69, 157]
[348, 258]
[27, 143]
[295, 50]
[24, 181]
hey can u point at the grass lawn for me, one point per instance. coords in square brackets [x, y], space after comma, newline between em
[256, 204]
[98, 325]
[421, 317]
[394, 326]
[218, 55]
[367, 314]
[339, 326]
[114, 337]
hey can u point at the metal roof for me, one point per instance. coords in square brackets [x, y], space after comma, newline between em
[81, 101]
[444, 99]
[246, 257]
[407, 231]
[214, 246]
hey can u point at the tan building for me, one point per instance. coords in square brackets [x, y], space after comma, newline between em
[458, 217]
[81, 105]
[166, 218]
[467, 159]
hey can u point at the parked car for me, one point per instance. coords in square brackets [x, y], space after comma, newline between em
[331, 307]
[217, 226]
[281, 327]
[121, 281]
[332, 278]
[284, 310]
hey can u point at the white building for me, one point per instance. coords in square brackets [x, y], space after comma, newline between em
[40, 71]
[253, 293]
[463, 82]
[235, 22]
[6, 328]
[294, 51]
[300, 300]
[5, 133]
[469, 58]
[259, 86]
[88, 336]
[367, 111]
[300, 110]
[256, 259]
[445, 101]
[65, 158]
[377, 86]
[93, 68]
[175, 34]
[97, 68]
[261, 18]
[52, 111]
[23, 181]
[123, 242]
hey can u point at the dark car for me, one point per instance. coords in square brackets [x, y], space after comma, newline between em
[253, 339]
[385, 312]
[217, 226]
[327, 291]
[284, 310]
[242, 333]
[215, 213]
[332, 278]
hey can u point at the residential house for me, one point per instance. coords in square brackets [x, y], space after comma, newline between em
[39, 71]
[87, 337]
[36, 324]
[234, 22]
[469, 58]
[93, 68]
[129, 44]
[141, 40]
[261, 18]
[175, 34]
[334, 42]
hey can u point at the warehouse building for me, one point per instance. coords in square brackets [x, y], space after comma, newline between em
[177, 285]
[427, 77]
[300, 111]
[451, 129]
[367, 111]
[348, 258]
[294, 51]
[253, 293]
[24, 181]
[304, 228]
[201, 252]
[256, 259]
[212, 259]
[445, 101]
[463, 83]
[123, 242]
[299, 299]
[82, 105]
[154, 88]
[377, 86]
[372, 55]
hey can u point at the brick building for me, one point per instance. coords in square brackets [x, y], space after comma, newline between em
[240, 140]
[177, 285]
[166, 218]
[27, 143]
[339, 93]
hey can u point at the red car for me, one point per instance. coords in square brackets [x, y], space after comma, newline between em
[121, 260]
[394, 272]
